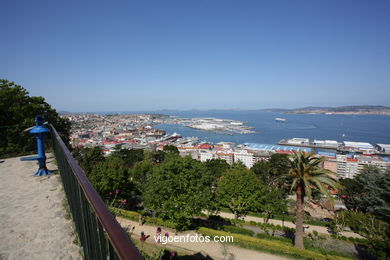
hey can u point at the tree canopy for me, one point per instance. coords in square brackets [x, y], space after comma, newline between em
[274, 173]
[112, 175]
[18, 111]
[216, 167]
[171, 149]
[177, 189]
[240, 191]
[129, 156]
[88, 158]
[368, 192]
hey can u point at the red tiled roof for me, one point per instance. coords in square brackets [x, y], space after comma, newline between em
[204, 146]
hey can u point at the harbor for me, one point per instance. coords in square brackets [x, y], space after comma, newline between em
[211, 124]
[340, 147]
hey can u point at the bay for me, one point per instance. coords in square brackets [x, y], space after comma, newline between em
[360, 128]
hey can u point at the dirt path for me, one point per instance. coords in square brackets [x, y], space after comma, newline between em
[310, 229]
[214, 250]
[32, 222]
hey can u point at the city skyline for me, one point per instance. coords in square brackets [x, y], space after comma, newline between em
[133, 56]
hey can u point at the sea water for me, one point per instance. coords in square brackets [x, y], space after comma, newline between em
[360, 128]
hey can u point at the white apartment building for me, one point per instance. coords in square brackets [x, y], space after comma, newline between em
[247, 158]
[206, 155]
[227, 156]
[346, 167]
[371, 161]
[350, 167]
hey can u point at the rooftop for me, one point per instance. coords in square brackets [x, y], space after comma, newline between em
[271, 147]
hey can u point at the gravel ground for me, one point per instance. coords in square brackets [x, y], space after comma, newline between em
[32, 218]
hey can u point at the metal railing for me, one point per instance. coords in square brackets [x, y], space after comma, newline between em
[100, 235]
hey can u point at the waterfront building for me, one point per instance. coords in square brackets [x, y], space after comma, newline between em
[348, 167]
[247, 158]
[228, 156]
[205, 155]
[189, 151]
[384, 148]
[363, 147]
[225, 145]
[274, 148]
[372, 161]
[327, 143]
[298, 141]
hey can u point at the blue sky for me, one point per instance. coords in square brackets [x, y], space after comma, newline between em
[203, 54]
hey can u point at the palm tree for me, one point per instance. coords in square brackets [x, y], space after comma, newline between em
[306, 174]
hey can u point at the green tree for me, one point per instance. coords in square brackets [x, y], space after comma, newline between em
[307, 175]
[263, 171]
[240, 191]
[216, 167]
[376, 231]
[154, 156]
[177, 189]
[171, 149]
[273, 203]
[112, 175]
[129, 156]
[368, 192]
[158, 157]
[139, 174]
[88, 158]
[18, 111]
[274, 173]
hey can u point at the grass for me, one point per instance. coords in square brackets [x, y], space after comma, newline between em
[65, 205]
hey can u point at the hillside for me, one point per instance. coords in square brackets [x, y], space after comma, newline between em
[346, 110]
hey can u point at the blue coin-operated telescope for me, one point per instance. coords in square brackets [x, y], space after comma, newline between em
[40, 131]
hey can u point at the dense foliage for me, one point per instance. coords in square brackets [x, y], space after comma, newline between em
[18, 111]
[111, 175]
[240, 191]
[369, 192]
[367, 196]
[88, 158]
[177, 189]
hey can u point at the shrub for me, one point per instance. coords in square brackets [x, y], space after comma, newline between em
[268, 237]
[238, 230]
[160, 222]
[126, 213]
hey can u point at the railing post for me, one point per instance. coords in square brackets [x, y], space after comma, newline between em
[95, 225]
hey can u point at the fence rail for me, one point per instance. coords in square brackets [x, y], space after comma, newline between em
[100, 235]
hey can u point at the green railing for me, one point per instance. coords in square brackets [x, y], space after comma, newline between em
[100, 235]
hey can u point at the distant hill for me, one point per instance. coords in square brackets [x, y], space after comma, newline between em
[353, 110]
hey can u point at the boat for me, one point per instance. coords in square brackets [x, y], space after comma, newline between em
[281, 120]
